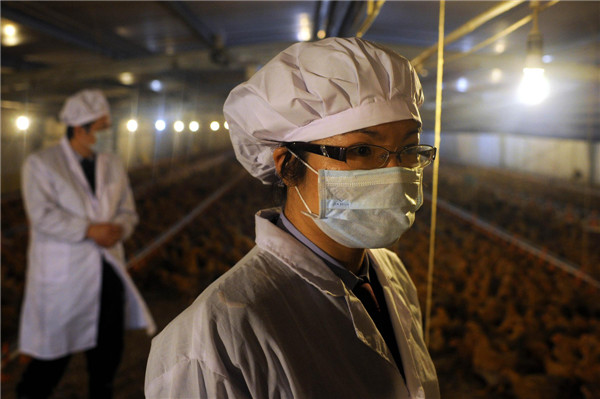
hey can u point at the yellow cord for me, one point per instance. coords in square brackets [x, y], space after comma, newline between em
[436, 165]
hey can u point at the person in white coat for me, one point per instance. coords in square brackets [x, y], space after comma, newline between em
[78, 295]
[317, 309]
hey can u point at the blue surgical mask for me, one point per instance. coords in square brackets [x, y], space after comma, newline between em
[366, 208]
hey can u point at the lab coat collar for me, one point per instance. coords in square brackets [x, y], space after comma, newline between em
[312, 269]
[294, 254]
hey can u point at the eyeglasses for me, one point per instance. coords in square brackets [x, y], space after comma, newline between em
[370, 156]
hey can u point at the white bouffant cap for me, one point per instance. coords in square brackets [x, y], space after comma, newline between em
[315, 90]
[84, 107]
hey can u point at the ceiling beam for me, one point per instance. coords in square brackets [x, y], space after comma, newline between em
[13, 62]
[349, 23]
[468, 27]
[322, 18]
[183, 11]
[44, 27]
[210, 39]
[41, 18]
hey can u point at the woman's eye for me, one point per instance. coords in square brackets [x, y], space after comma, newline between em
[362, 151]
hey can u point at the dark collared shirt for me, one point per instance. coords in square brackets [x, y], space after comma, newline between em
[89, 169]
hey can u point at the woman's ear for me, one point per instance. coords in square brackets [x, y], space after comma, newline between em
[279, 156]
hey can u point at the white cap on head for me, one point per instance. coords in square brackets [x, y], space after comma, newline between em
[84, 107]
[315, 90]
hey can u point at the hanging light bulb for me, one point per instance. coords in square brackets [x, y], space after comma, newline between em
[534, 87]
[179, 126]
[160, 125]
[132, 125]
[22, 123]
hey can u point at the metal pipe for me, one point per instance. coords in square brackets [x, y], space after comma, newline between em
[466, 28]
[501, 34]
[436, 168]
[373, 8]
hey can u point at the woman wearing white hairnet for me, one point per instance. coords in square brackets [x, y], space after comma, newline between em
[315, 310]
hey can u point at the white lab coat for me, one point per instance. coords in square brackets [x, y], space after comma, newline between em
[281, 324]
[62, 292]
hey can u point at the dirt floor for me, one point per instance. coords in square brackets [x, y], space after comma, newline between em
[129, 383]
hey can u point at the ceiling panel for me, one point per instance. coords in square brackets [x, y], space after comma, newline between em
[207, 47]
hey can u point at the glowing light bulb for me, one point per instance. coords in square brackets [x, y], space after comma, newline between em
[126, 78]
[23, 122]
[160, 125]
[547, 59]
[179, 126]
[132, 125]
[496, 75]
[500, 47]
[9, 30]
[305, 28]
[156, 85]
[194, 126]
[226, 125]
[9, 35]
[534, 87]
[214, 126]
[462, 84]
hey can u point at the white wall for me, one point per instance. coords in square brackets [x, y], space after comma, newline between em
[562, 158]
[136, 149]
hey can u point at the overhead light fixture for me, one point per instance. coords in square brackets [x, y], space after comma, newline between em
[156, 85]
[179, 126]
[496, 75]
[132, 125]
[534, 87]
[9, 35]
[22, 123]
[214, 126]
[500, 47]
[126, 78]
[194, 126]
[9, 30]
[304, 28]
[462, 84]
[160, 125]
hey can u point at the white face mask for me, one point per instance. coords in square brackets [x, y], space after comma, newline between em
[367, 208]
[104, 141]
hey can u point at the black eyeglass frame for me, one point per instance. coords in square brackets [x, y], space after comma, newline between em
[339, 153]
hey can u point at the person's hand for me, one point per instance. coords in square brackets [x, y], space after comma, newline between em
[105, 234]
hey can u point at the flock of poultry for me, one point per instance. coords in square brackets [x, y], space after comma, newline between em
[503, 325]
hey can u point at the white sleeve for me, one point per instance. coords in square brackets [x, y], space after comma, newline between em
[44, 212]
[188, 379]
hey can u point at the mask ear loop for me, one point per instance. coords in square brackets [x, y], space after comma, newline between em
[309, 213]
[302, 160]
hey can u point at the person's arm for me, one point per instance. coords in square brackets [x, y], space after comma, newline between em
[126, 215]
[44, 212]
[193, 358]
[190, 378]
